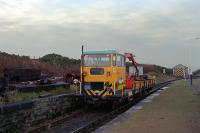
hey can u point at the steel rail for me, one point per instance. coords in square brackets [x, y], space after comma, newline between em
[55, 122]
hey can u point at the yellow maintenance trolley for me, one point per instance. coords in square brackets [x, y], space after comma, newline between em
[104, 78]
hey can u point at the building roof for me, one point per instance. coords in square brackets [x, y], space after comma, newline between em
[101, 52]
[180, 66]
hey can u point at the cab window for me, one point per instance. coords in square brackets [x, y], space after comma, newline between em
[120, 60]
[114, 60]
[97, 60]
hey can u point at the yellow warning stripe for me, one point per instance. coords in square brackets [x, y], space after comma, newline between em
[93, 93]
[88, 93]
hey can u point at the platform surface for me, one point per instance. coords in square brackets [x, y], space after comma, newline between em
[173, 110]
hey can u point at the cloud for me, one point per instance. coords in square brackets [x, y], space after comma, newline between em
[148, 28]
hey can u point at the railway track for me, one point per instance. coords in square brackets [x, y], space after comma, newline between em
[87, 120]
[69, 123]
[56, 122]
[76, 123]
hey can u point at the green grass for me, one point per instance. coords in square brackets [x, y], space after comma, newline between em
[15, 96]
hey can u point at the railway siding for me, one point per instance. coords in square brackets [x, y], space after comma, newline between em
[20, 116]
[177, 109]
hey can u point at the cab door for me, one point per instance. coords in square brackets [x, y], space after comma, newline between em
[120, 70]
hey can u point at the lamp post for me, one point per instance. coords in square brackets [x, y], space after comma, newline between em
[189, 69]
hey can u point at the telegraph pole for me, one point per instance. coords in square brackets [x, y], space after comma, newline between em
[82, 63]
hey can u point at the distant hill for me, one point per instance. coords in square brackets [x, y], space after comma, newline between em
[196, 73]
[51, 64]
[59, 61]
[154, 68]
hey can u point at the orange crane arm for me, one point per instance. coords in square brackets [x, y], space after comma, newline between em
[130, 56]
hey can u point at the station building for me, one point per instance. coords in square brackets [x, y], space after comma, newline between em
[180, 71]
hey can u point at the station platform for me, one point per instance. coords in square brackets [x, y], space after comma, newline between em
[174, 109]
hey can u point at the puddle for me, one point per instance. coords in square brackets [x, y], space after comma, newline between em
[137, 107]
[164, 88]
[147, 100]
[155, 94]
[150, 97]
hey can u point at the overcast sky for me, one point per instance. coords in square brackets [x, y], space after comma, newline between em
[163, 32]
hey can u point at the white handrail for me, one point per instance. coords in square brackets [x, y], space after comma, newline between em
[115, 87]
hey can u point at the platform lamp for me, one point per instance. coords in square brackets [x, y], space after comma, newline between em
[189, 69]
